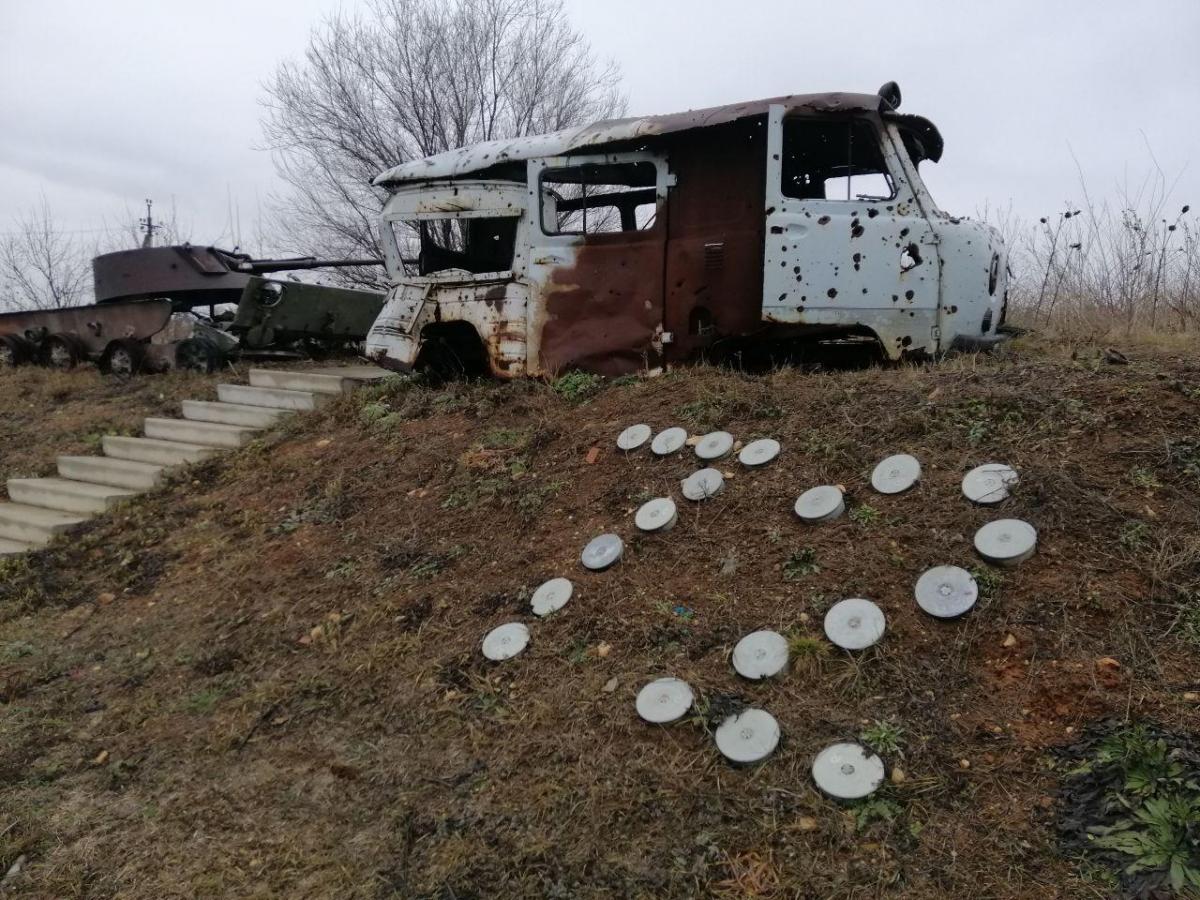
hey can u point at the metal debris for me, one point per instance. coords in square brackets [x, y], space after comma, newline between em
[989, 483]
[821, 504]
[506, 641]
[1006, 542]
[703, 484]
[946, 592]
[664, 700]
[602, 552]
[854, 624]
[761, 654]
[551, 596]
[896, 474]
[748, 737]
[847, 771]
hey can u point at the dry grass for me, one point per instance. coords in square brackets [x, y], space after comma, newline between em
[286, 697]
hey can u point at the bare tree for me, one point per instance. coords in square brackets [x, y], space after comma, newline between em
[410, 79]
[42, 267]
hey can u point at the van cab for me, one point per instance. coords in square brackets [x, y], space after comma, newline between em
[634, 244]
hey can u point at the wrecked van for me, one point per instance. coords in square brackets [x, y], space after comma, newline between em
[634, 244]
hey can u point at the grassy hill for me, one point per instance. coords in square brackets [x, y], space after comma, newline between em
[265, 679]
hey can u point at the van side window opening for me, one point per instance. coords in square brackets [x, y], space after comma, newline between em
[475, 245]
[599, 199]
[834, 160]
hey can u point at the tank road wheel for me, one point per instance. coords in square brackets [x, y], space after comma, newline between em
[61, 351]
[14, 351]
[197, 355]
[123, 358]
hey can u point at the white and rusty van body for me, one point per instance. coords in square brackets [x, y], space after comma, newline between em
[633, 244]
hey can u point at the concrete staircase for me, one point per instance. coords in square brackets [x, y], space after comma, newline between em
[86, 486]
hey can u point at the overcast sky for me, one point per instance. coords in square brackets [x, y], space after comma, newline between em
[105, 102]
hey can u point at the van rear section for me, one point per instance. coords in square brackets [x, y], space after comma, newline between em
[631, 245]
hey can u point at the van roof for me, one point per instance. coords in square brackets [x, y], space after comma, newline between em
[479, 157]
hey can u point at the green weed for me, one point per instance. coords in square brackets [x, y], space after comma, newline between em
[864, 515]
[577, 386]
[800, 564]
[1143, 478]
[884, 738]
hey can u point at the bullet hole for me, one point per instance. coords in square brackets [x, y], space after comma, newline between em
[864, 290]
[895, 298]
[770, 210]
[908, 295]
[824, 220]
[910, 258]
[831, 293]
[783, 296]
[776, 229]
[803, 299]
[856, 230]
[796, 270]
[953, 310]
[857, 262]
[906, 342]
[872, 213]
[903, 232]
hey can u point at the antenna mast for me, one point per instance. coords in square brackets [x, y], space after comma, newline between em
[147, 225]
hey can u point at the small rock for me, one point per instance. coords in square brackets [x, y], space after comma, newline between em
[1010, 641]
[1107, 662]
[898, 775]
[693, 440]
[610, 686]
[807, 823]
[603, 649]
[106, 598]
[101, 758]
[1191, 696]
[964, 764]
[803, 617]
[593, 455]
[324, 442]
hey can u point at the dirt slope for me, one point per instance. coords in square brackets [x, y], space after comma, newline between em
[265, 680]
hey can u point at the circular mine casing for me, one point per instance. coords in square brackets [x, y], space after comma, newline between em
[601, 552]
[847, 771]
[748, 737]
[759, 453]
[668, 441]
[658, 514]
[505, 641]
[989, 483]
[854, 624]
[821, 504]
[551, 596]
[633, 437]
[664, 700]
[703, 484]
[896, 474]
[946, 592]
[714, 445]
[761, 654]
[1006, 542]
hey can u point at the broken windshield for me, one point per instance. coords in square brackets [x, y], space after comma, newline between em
[477, 245]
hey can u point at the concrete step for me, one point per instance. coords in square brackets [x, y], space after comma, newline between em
[159, 453]
[301, 381]
[34, 525]
[231, 414]
[123, 473]
[210, 434]
[14, 548]
[272, 398]
[67, 496]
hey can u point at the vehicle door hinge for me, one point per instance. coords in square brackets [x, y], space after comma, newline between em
[936, 332]
[931, 238]
[672, 180]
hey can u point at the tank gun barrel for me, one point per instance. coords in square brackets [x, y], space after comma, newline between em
[264, 266]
